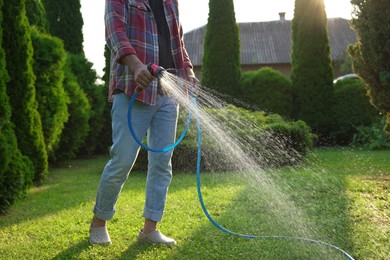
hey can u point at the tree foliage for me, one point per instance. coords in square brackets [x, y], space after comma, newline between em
[371, 54]
[351, 110]
[269, 90]
[16, 170]
[20, 88]
[49, 61]
[221, 59]
[105, 134]
[76, 128]
[36, 14]
[86, 79]
[312, 72]
[66, 22]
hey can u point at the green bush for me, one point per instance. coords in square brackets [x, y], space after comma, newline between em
[372, 137]
[312, 72]
[268, 139]
[76, 128]
[16, 170]
[269, 90]
[20, 89]
[351, 110]
[17, 176]
[86, 78]
[49, 61]
[221, 69]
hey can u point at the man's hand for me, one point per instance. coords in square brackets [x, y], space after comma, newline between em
[194, 82]
[141, 73]
[191, 76]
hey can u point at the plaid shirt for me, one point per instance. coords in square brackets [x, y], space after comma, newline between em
[131, 29]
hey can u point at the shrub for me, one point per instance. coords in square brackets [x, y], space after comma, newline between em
[16, 171]
[97, 99]
[268, 139]
[351, 110]
[221, 58]
[312, 72]
[76, 128]
[269, 90]
[17, 177]
[372, 137]
[49, 61]
[20, 89]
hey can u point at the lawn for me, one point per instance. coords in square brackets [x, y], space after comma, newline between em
[341, 197]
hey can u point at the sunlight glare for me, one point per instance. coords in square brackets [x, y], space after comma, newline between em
[336, 8]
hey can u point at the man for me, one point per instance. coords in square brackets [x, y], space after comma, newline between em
[139, 32]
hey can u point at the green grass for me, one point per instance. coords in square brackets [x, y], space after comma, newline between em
[341, 197]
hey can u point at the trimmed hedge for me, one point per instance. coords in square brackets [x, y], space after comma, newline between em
[269, 90]
[268, 139]
[351, 110]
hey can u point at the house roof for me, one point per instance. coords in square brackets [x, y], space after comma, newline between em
[270, 42]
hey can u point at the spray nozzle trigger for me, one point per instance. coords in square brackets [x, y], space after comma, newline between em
[155, 70]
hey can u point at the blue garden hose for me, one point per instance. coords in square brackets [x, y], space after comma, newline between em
[160, 150]
[198, 185]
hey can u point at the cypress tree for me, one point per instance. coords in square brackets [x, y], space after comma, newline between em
[86, 79]
[371, 54]
[49, 62]
[76, 128]
[16, 170]
[20, 88]
[36, 14]
[312, 73]
[105, 134]
[66, 22]
[221, 59]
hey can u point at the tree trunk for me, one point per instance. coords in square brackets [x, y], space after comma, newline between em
[387, 126]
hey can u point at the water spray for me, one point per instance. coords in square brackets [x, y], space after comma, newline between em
[158, 72]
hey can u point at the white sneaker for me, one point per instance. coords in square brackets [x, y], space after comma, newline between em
[99, 236]
[156, 237]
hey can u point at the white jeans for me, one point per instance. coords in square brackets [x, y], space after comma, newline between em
[159, 122]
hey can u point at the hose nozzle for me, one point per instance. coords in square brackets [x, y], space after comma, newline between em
[155, 70]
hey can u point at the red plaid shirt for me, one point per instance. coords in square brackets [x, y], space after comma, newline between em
[131, 29]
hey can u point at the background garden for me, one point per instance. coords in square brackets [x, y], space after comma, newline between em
[54, 110]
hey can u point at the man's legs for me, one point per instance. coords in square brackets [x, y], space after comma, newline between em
[161, 121]
[161, 134]
[123, 153]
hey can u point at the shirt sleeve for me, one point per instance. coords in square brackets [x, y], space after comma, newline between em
[186, 61]
[115, 29]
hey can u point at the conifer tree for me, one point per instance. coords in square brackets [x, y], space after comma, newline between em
[16, 170]
[20, 88]
[49, 62]
[66, 22]
[312, 73]
[36, 14]
[221, 69]
[106, 131]
[371, 54]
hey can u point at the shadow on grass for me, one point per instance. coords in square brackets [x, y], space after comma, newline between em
[74, 251]
[324, 218]
[72, 185]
